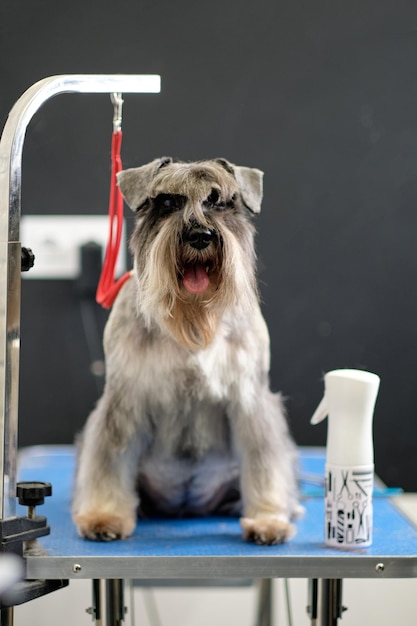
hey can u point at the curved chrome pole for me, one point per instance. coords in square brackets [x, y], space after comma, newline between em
[11, 147]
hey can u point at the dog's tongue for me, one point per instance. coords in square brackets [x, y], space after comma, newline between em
[195, 278]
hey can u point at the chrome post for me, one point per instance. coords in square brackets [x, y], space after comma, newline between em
[325, 606]
[11, 147]
[7, 616]
[95, 609]
[264, 615]
[115, 607]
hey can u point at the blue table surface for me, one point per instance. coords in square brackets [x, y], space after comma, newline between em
[393, 535]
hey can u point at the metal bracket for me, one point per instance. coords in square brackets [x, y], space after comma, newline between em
[28, 590]
[15, 531]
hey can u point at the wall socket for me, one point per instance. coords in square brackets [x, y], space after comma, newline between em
[56, 240]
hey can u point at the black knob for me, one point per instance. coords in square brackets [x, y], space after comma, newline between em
[33, 493]
[27, 259]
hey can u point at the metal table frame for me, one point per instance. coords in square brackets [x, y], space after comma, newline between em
[325, 570]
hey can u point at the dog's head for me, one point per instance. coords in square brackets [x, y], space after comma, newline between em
[193, 242]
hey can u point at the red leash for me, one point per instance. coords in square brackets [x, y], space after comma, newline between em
[108, 287]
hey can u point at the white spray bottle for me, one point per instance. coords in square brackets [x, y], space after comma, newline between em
[349, 401]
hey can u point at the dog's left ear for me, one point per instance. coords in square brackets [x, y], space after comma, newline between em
[250, 181]
[134, 182]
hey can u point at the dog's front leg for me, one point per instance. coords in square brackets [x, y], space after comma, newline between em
[105, 500]
[267, 460]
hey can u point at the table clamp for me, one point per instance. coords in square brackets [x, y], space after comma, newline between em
[18, 535]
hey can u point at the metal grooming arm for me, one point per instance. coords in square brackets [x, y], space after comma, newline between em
[11, 147]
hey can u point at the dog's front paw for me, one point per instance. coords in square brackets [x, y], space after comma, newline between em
[267, 530]
[104, 526]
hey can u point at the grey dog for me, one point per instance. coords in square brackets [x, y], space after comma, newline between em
[187, 424]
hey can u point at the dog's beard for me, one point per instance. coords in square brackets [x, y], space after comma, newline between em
[185, 291]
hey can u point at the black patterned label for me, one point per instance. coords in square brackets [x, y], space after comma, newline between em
[348, 506]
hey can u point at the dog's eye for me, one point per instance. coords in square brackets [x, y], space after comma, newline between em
[213, 197]
[167, 202]
[213, 201]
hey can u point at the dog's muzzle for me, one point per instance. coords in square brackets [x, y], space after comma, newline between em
[195, 274]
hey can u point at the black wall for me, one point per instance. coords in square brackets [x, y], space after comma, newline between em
[320, 95]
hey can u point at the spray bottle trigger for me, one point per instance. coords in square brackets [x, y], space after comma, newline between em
[321, 412]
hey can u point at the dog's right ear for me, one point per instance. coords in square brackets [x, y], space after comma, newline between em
[134, 182]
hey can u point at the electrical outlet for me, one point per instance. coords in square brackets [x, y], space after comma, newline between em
[56, 240]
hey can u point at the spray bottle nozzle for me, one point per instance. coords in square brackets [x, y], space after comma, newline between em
[349, 399]
[321, 412]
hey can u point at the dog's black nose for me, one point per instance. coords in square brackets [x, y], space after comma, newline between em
[199, 238]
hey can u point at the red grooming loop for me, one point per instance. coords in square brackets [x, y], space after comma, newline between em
[108, 286]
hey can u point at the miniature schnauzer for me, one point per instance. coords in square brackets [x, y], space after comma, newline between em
[187, 424]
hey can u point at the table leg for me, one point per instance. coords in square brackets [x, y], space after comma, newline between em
[95, 610]
[115, 607]
[264, 611]
[6, 616]
[325, 601]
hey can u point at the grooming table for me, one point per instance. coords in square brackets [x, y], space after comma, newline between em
[162, 551]
[211, 547]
